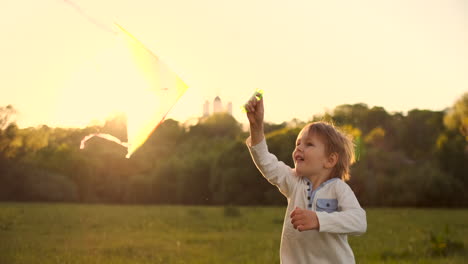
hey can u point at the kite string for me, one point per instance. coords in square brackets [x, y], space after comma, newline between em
[90, 18]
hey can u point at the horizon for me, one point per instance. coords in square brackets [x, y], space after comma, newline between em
[244, 123]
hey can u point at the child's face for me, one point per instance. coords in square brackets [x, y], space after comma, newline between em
[309, 155]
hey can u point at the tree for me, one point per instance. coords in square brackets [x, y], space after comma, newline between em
[7, 116]
[457, 116]
[420, 130]
[220, 125]
[236, 180]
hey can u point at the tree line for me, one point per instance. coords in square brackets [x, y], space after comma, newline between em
[414, 159]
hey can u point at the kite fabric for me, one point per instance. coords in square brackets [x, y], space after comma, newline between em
[152, 91]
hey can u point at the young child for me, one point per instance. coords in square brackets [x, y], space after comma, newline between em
[322, 209]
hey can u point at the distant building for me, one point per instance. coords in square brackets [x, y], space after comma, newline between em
[217, 107]
[206, 108]
[229, 108]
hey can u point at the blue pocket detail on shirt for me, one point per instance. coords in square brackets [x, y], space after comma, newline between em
[327, 205]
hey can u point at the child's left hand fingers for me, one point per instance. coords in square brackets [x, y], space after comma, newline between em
[293, 214]
[296, 219]
[298, 223]
[296, 211]
[293, 221]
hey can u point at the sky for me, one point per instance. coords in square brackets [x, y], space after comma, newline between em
[308, 56]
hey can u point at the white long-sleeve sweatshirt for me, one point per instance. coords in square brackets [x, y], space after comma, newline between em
[337, 208]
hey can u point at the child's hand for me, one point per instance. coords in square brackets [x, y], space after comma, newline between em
[255, 112]
[303, 220]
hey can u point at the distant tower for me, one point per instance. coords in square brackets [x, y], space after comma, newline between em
[229, 108]
[206, 109]
[217, 105]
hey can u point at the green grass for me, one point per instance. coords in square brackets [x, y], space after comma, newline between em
[74, 233]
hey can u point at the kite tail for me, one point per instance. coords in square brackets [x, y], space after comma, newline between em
[104, 136]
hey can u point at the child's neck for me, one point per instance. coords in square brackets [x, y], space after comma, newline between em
[318, 179]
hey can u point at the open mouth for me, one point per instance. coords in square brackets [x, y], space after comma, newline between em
[298, 158]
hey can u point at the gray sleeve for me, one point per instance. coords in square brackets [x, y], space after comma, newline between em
[276, 172]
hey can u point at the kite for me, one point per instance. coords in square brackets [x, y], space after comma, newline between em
[149, 84]
[154, 86]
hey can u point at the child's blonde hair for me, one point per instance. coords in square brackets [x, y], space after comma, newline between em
[335, 142]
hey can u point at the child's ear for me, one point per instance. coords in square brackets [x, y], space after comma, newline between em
[332, 160]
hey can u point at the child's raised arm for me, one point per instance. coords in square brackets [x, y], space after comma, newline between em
[275, 171]
[255, 113]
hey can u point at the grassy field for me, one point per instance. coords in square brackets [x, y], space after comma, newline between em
[73, 233]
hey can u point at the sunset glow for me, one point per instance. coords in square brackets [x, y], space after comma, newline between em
[308, 56]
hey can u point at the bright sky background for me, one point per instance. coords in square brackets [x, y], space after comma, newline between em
[308, 56]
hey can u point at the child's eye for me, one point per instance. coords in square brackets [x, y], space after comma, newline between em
[310, 144]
